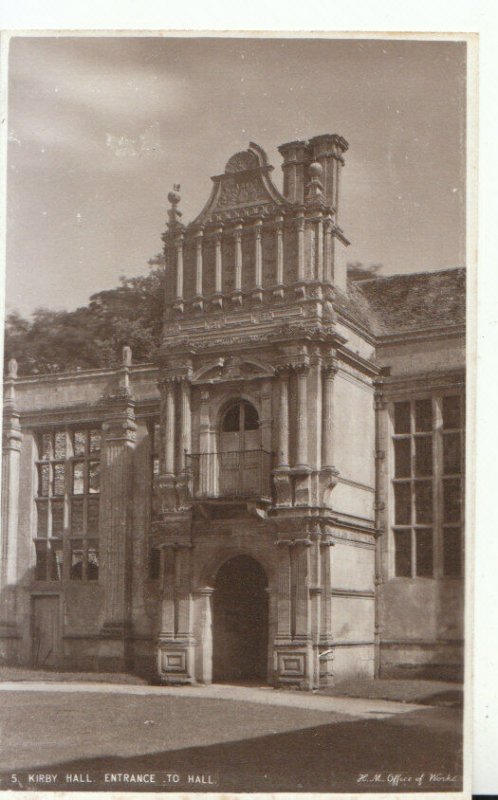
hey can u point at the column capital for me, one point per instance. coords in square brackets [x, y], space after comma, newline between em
[120, 428]
[283, 370]
[199, 232]
[330, 367]
[301, 367]
[379, 402]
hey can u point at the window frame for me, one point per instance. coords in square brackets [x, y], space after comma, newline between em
[63, 542]
[437, 478]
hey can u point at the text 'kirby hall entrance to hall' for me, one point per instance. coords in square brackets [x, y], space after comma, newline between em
[240, 621]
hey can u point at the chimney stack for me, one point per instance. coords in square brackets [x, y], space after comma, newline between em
[326, 149]
[296, 159]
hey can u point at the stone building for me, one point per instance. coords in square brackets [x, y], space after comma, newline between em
[278, 496]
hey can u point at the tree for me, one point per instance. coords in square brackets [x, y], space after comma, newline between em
[93, 335]
[362, 272]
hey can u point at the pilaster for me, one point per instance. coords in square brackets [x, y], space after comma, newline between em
[329, 473]
[116, 508]
[281, 474]
[176, 641]
[11, 451]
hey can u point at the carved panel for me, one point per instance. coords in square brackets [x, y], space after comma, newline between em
[237, 191]
[291, 664]
[241, 161]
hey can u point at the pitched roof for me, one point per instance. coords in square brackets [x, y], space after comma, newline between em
[410, 302]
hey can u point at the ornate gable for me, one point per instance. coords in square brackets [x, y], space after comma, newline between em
[244, 190]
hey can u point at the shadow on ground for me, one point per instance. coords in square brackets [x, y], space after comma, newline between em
[323, 758]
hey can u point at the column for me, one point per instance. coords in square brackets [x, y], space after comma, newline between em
[302, 415]
[179, 272]
[237, 293]
[204, 486]
[281, 475]
[328, 415]
[183, 598]
[326, 664]
[300, 247]
[319, 249]
[279, 290]
[217, 300]
[283, 419]
[329, 473]
[116, 510]
[167, 479]
[204, 634]
[300, 557]
[169, 428]
[184, 465]
[328, 270]
[198, 269]
[316, 592]
[258, 262]
[284, 591]
[168, 625]
[11, 454]
[185, 424]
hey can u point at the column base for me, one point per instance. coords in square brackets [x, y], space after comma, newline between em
[217, 301]
[175, 661]
[302, 484]
[168, 494]
[283, 487]
[293, 664]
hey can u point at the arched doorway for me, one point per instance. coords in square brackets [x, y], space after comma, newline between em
[240, 621]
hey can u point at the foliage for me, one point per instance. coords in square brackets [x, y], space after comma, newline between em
[93, 335]
[362, 272]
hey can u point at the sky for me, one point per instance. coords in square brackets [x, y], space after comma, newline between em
[100, 128]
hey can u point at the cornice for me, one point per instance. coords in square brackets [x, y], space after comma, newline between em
[390, 386]
[420, 334]
[81, 375]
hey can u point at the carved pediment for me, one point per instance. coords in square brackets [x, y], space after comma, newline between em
[244, 189]
[232, 368]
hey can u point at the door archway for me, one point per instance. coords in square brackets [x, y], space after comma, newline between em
[240, 621]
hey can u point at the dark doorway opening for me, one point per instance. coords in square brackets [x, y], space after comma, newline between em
[240, 621]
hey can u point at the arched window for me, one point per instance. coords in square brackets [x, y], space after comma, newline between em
[240, 457]
[241, 416]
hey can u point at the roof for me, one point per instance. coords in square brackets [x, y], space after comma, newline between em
[410, 302]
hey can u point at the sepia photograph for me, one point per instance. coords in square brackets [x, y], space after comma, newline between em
[233, 526]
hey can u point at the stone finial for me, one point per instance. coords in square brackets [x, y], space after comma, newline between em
[126, 355]
[174, 215]
[314, 189]
[12, 368]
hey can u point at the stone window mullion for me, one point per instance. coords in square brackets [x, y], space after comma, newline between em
[413, 534]
[437, 461]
